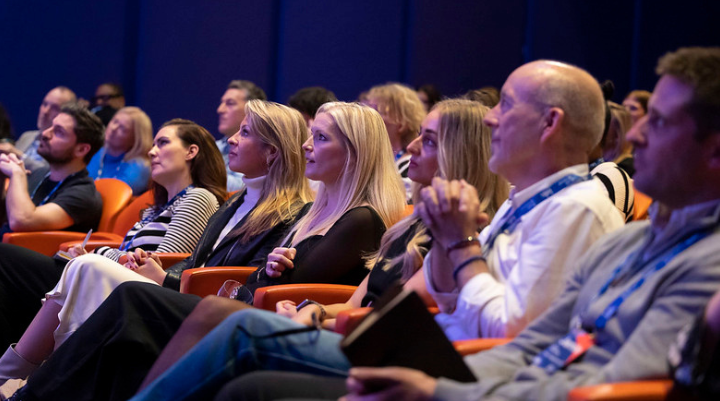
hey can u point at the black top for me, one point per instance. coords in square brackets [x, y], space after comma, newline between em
[76, 195]
[628, 164]
[336, 257]
[380, 280]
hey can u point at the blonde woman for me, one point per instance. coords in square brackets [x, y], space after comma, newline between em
[617, 148]
[402, 112]
[359, 197]
[128, 138]
[454, 143]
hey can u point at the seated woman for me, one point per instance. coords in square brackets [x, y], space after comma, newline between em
[128, 138]
[616, 147]
[636, 103]
[188, 184]
[453, 143]
[402, 111]
[361, 194]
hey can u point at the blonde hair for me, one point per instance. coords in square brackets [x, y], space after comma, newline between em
[620, 124]
[369, 175]
[142, 133]
[285, 189]
[402, 105]
[462, 135]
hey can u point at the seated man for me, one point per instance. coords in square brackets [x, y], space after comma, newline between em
[26, 146]
[634, 290]
[62, 197]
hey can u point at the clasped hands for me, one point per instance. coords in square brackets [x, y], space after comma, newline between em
[147, 264]
[11, 164]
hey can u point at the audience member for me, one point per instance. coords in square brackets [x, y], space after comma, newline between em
[361, 195]
[26, 146]
[429, 95]
[231, 112]
[308, 100]
[188, 183]
[617, 148]
[636, 103]
[488, 96]
[453, 143]
[62, 197]
[109, 98]
[124, 156]
[402, 113]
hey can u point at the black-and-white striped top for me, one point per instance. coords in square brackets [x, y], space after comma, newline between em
[619, 187]
[177, 229]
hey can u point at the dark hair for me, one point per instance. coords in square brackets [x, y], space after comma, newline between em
[433, 94]
[5, 125]
[487, 96]
[697, 67]
[115, 87]
[253, 91]
[88, 128]
[309, 100]
[207, 169]
[641, 96]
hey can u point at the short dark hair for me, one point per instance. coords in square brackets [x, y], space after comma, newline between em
[432, 92]
[115, 87]
[308, 100]
[253, 91]
[697, 67]
[487, 96]
[88, 128]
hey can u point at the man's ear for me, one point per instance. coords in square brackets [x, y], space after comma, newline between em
[192, 151]
[81, 149]
[551, 121]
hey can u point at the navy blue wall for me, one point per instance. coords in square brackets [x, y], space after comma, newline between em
[176, 57]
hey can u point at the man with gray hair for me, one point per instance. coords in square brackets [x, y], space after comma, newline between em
[26, 146]
[231, 113]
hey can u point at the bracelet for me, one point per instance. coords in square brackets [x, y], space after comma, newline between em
[463, 243]
[311, 302]
[465, 264]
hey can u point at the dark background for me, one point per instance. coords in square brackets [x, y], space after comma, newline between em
[175, 57]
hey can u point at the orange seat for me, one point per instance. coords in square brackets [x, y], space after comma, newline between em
[115, 196]
[204, 281]
[267, 297]
[469, 347]
[132, 213]
[647, 390]
[409, 209]
[642, 204]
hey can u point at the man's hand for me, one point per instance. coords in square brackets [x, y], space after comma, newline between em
[9, 148]
[389, 384]
[10, 165]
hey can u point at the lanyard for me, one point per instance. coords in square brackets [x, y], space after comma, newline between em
[45, 199]
[102, 165]
[632, 263]
[513, 219]
[596, 163]
[152, 217]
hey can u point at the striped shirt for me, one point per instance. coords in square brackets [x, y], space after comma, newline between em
[177, 229]
[618, 186]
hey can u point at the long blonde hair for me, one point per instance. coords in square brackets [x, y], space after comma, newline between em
[402, 105]
[285, 189]
[142, 132]
[462, 135]
[369, 176]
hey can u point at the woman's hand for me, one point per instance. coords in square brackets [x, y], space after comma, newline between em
[286, 308]
[77, 250]
[279, 260]
[146, 264]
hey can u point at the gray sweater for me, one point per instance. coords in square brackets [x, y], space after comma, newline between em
[634, 344]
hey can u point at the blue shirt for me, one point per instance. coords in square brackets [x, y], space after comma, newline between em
[234, 179]
[135, 172]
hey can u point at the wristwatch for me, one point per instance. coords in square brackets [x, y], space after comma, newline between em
[311, 302]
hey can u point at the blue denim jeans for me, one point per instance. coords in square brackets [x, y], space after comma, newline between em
[236, 347]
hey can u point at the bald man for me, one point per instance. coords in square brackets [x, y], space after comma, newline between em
[26, 146]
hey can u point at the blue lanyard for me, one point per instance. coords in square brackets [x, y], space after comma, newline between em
[665, 256]
[152, 217]
[596, 163]
[511, 222]
[45, 199]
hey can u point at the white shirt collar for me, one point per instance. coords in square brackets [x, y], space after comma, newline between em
[519, 197]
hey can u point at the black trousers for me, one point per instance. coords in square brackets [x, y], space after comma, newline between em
[112, 352]
[275, 386]
[25, 277]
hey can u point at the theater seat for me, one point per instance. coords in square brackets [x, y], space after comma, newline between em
[642, 204]
[204, 281]
[649, 390]
[267, 297]
[115, 195]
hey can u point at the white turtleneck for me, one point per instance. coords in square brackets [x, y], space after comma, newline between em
[253, 187]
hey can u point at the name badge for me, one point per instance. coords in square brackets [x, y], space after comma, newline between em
[564, 351]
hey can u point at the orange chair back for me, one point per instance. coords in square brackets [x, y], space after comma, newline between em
[409, 209]
[204, 281]
[642, 204]
[267, 297]
[115, 196]
[131, 213]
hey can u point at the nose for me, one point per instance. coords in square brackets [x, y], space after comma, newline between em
[221, 108]
[491, 118]
[233, 140]
[636, 135]
[414, 147]
[47, 133]
[153, 151]
[308, 145]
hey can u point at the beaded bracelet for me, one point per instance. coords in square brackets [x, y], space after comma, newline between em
[463, 243]
[465, 264]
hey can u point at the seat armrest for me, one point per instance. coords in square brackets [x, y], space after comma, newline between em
[468, 347]
[48, 242]
[267, 297]
[645, 390]
[204, 281]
